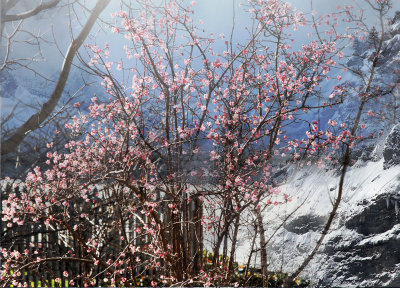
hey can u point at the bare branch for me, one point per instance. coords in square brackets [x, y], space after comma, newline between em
[30, 13]
[37, 119]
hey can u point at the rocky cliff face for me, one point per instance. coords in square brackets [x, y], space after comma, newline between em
[363, 245]
[365, 249]
[367, 252]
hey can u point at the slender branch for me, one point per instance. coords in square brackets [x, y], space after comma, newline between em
[9, 46]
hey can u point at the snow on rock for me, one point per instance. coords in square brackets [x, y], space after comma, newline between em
[363, 245]
[377, 152]
[391, 151]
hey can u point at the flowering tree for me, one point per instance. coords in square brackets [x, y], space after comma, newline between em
[179, 151]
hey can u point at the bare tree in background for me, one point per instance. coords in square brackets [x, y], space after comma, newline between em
[12, 140]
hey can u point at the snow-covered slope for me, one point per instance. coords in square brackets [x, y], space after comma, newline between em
[363, 245]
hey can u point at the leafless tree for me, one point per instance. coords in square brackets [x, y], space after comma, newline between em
[10, 141]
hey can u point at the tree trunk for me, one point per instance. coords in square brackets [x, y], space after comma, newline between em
[263, 249]
[233, 247]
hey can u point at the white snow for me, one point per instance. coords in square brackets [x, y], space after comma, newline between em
[383, 237]
[313, 190]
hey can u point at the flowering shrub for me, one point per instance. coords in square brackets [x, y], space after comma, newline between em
[179, 151]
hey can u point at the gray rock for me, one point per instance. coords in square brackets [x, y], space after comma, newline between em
[306, 223]
[377, 152]
[391, 150]
[369, 257]
[376, 218]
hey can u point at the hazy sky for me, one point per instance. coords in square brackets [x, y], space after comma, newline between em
[217, 16]
[218, 13]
